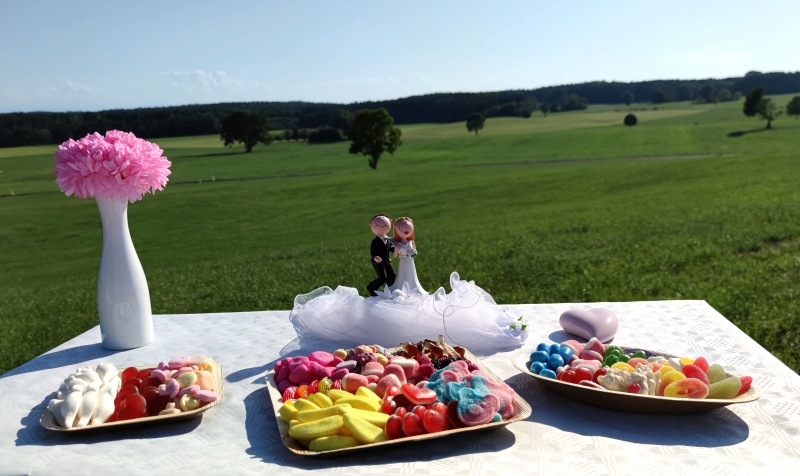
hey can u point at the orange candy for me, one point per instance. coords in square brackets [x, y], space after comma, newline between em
[686, 388]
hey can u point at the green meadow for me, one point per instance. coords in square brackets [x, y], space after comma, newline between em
[573, 207]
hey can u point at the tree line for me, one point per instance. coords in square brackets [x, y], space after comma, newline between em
[18, 129]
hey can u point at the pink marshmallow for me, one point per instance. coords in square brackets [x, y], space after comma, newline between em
[301, 373]
[206, 396]
[575, 346]
[159, 375]
[319, 371]
[163, 366]
[373, 378]
[278, 366]
[283, 374]
[397, 371]
[169, 389]
[409, 366]
[372, 368]
[283, 385]
[190, 390]
[339, 374]
[293, 362]
[179, 362]
[321, 357]
[351, 382]
[336, 361]
[386, 382]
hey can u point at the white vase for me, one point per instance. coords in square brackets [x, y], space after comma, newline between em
[123, 300]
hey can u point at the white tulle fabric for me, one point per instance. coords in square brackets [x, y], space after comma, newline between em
[467, 316]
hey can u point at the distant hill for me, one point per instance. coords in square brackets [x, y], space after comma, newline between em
[19, 129]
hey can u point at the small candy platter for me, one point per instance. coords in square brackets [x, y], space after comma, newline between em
[521, 411]
[630, 402]
[48, 419]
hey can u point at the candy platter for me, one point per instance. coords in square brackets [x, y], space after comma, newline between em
[521, 411]
[48, 420]
[628, 401]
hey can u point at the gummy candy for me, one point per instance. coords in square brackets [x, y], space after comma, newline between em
[746, 382]
[363, 431]
[634, 388]
[418, 395]
[685, 361]
[316, 429]
[435, 419]
[667, 379]
[725, 389]
[702, 363]
[476, 409]
[394, 427]
[623, 366]
[693, 371]
[322, 358]
[412, 425]
[129, 373]
[715, 373]
[633, 362]
[686, 388]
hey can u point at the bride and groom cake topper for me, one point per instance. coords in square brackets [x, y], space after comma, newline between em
[402, 245]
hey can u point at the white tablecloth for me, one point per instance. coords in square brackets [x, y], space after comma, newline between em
[240, 435]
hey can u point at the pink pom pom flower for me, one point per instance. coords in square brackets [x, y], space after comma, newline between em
[119, 166]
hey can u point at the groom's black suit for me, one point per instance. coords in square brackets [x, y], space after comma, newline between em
[383, 269]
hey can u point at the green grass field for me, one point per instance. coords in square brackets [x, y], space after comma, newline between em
[572, 207]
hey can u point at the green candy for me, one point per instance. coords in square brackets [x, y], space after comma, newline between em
[725, 389]
[611, 349]
[640, 354]
[715, 374]
[611, 360]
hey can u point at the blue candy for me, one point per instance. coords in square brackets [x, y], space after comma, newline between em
[537, 356]
[565, 353]
[439, 386]
[554, 349]
[497, 418]
[451, 390]
[544, 347]
[556, 361]
[537, 367]
[548, 373]
[435, 376]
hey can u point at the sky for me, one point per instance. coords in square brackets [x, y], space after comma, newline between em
[93, 55]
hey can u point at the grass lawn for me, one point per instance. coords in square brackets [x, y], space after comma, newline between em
[572, 207]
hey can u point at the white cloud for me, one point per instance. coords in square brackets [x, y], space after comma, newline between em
[199, 81]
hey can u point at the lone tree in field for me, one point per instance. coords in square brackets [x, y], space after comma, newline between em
[475, 123]
[793, 108]
[757, 105]
[373, 134]
[627, 98]
[248, 128]
[630, 120]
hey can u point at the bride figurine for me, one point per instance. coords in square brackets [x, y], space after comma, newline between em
[406, 249]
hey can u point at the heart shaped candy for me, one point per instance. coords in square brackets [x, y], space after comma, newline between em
[600, 323]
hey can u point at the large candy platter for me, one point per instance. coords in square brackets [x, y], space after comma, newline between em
[423, 415]
[686, 394]
[110, 399]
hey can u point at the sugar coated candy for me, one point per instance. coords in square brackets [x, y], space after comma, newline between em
[715, 373]
[667, 379]
[746, 382]
[725, 389]
[693, 371]
[476, 409]
[686, 388]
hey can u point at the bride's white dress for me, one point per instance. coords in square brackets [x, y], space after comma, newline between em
[406, 271]
[467, 316]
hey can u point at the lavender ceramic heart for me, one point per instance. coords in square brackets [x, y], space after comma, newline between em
[600, 323]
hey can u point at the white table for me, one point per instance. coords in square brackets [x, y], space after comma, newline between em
[240, 435]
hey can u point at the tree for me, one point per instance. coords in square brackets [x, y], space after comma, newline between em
[724, 95]
[630, 120]
[373, 134]
[661, 95]
[248, 128]
[325, 134]
[627, 98]
[793, 108]
[475, 123]
[755, 104]
[545, 108]
[287, 135]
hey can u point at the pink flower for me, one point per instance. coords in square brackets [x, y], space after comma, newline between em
[119, 166]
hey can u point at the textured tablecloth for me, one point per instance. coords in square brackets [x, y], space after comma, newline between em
[240, 435]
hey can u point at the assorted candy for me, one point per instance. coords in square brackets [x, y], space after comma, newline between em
[89, 397]
[381, 396]
[634, 371]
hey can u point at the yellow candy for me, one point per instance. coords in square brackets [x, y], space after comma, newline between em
[314, 415]
[328, 443]
[376, 418]
[334, 394]
[189, 403]
[316, 429]
[320, 400]
[623, 366]
[294, 422]
[341, 353]
[365, 392]
[344, 432]
[686, 361]
[667, 379]
[381, 359]
[288, 412]
[357, 401]
[363, 431]
[304, 405]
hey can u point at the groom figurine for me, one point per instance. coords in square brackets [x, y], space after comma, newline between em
[380, 248]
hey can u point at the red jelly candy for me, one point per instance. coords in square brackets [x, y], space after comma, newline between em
[401, 401]
[599, 373]
[130, 372]
[394, 427]
[392, 391]
[412, 425]
[694, 371]
[135, 406]
[126, 391]
[435, 419]
[569, 376]
[702, 363]
[155, 402]
[401, 411]
[582, 373]
[132, 381]
[416, 395]
[746, 382]
[634, 388]
[420, 410]
[388, 406]
[452, 415]
[150, 382]
[144, 374]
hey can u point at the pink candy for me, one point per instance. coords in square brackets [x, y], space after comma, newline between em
[593, 350]
[386, 382]
[300, 374]
[397, 371]
[339, 374]
[318, 371]
[352, 382]
[372, 368]
[323, 358]
[179, 362]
